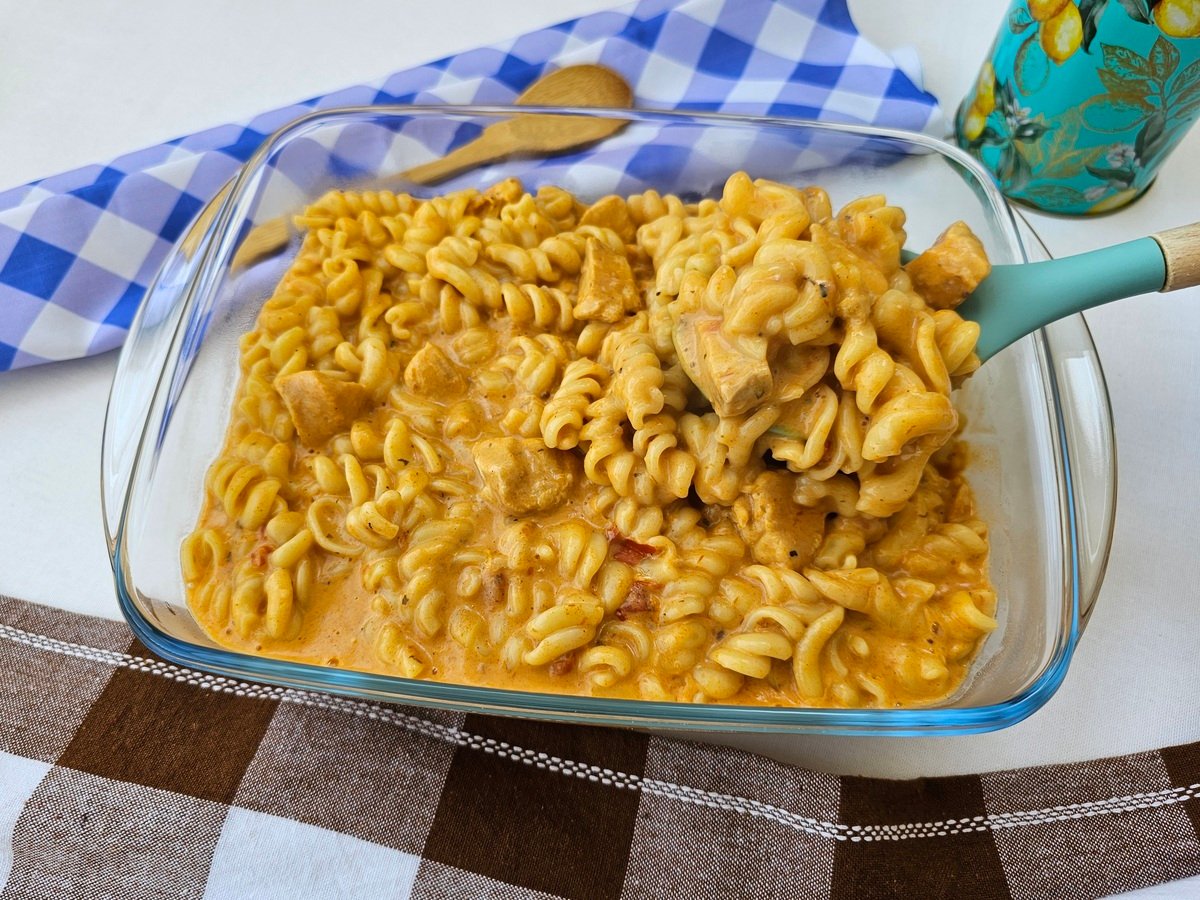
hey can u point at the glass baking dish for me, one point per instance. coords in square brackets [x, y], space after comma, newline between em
[1038, 415]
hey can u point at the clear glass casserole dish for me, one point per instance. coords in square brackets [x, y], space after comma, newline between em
[1043, 463]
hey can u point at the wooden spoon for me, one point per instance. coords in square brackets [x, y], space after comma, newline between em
[585, 85]
[543, 134]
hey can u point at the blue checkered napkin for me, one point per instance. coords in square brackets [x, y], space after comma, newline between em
[77, 250]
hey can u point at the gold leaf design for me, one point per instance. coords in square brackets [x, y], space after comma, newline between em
[1058, 154]
[1164, 59]
[1126, 63]
[1119, 88]
[1115, 114]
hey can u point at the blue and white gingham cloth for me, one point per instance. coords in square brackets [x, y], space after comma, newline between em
[78, 250]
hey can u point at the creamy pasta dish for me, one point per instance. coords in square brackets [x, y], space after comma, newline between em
[635, 448]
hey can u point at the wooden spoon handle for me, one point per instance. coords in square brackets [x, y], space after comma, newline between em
[495, 143]
[523, 133]
[1181, 250]
[262, 240]
[191, 240]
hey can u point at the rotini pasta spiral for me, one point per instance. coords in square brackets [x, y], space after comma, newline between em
[639, 447]
[582, 385]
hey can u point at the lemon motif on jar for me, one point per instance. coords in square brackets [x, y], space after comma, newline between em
[1062, 33]
[1080, 101]
[1116, 201]
[981, 107]
[1044, 10]
[1178, 18]
[985, 89]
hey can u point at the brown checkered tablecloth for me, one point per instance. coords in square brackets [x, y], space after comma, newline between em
[125, 776]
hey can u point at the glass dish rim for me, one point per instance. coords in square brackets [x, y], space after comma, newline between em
[586, 709]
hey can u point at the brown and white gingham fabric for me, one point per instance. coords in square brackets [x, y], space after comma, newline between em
[124, 776]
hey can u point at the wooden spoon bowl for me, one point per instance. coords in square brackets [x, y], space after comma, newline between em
[540, 134]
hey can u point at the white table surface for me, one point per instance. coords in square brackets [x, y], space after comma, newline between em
[83, 80]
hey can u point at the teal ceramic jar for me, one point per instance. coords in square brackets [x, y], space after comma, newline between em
[1080, 101]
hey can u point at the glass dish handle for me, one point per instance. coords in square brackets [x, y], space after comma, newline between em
[137, 381]
[1092, 448]
[1088, 430]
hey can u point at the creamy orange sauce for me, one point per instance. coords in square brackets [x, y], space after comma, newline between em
[464, 449]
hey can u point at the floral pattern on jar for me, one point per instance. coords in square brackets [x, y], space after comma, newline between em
[1080, 101]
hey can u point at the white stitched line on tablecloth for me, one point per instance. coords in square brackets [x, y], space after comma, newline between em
[683, 793]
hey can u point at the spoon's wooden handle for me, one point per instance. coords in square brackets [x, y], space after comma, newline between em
[1181, 250]
[495, 143]
[196, 232]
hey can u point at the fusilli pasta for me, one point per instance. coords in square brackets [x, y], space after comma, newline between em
[638, 448]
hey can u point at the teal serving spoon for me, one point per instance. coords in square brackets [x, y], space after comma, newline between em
[1016, 300]
[1011, 302]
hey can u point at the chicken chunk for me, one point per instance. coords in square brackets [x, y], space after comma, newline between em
[947, 272]
[431, 373]
[611, 212]
[778, 529]
[606, 287]
[732, 374]
[495, 198]
[523, 475]
[320, 405]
